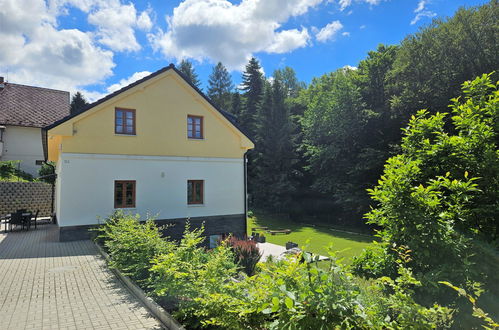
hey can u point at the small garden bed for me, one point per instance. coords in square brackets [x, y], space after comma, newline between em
[227, 287]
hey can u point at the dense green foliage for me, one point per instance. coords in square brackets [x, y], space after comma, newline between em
[47, 172]
[441, 191]
[295, 293]
[132, 245]
[274, 155]
[78, 103]
[353, 118]
[334, 136]
[9, 171]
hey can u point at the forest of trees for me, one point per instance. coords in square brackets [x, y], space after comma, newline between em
[319, 147]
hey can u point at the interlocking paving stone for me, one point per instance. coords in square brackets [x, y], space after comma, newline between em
[47, 284]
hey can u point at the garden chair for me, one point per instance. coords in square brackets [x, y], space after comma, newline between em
[33, 219]
[16, 219]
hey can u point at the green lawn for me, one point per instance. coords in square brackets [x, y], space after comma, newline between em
[319, 237]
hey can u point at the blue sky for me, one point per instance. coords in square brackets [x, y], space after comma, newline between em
[98, 46]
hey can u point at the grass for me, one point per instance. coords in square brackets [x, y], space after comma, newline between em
[319, 238]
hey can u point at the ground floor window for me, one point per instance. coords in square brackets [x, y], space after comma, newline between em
[195, 192]
[124, 194]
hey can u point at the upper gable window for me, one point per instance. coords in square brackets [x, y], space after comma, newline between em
[124, 121]
[195, 127]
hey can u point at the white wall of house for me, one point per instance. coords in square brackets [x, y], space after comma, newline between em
[87, 188]
[24, 144]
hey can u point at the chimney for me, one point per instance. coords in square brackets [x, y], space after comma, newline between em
[2, 84]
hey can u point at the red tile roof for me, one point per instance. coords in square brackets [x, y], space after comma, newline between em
[29, 106]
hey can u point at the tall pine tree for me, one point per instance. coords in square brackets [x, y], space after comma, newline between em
[220, 87]
[273, 182]
[236, 104]
[78, 102]
[252, 87]
[188, 71]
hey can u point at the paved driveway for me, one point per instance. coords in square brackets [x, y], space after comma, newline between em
[46, 284]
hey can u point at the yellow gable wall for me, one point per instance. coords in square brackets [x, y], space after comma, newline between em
[162, 105]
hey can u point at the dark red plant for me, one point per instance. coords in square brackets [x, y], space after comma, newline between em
[246, 254]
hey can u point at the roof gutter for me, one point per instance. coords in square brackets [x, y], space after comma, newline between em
[245, 160]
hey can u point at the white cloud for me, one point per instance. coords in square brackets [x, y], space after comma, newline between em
[422, 12]
[35, 51]
[347, 3]
[329, 31]
[144, 21]
[115, 22]
[115, 26]
[344, 4]
[127, 81]
[349, 67]
[421, 6]
[219, 30]
[346, 34]
[288, 40]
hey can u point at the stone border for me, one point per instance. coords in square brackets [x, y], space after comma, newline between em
[163, 316]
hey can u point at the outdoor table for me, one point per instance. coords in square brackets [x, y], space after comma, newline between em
[26, 216]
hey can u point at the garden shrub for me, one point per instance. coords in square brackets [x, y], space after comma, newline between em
[189, 271]
[375, 262]
[296, 293]
[132, 245]
[207, 290]
[440, 192]
[246, 254]
[47, 169]
[9, 171]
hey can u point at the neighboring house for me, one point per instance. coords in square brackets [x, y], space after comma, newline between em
[24, 110]
[157, 147]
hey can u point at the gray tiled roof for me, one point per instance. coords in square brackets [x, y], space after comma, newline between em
[30, 106]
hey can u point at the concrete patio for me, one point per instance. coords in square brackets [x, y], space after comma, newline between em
[275, 251]
[46, 284]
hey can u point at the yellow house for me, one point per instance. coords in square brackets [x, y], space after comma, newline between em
[156, 147]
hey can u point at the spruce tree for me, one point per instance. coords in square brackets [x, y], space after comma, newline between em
[190, 74]
[236, 104]
[252, 86]
[78, 102]
[220, 87]
[274, 158]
